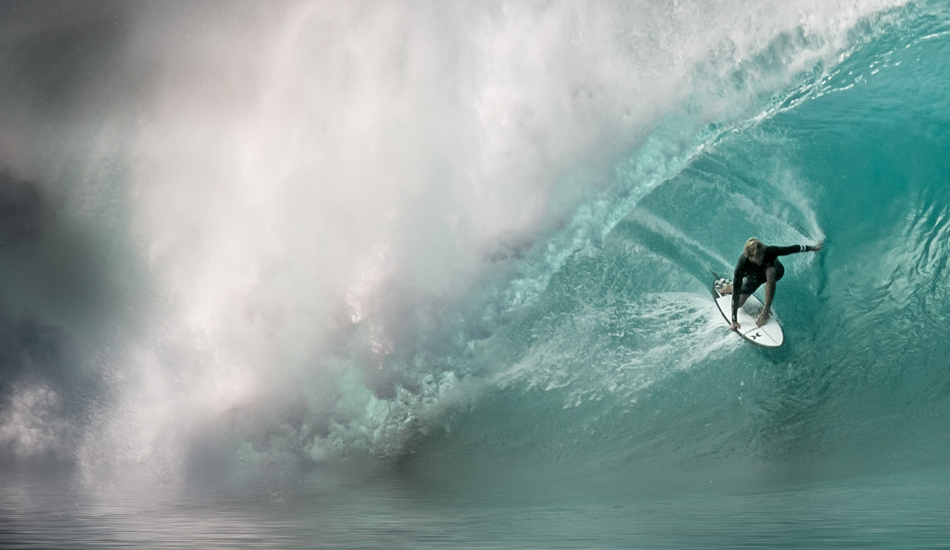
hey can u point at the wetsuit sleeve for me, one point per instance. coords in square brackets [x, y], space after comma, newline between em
[737, 277]
[786, 250]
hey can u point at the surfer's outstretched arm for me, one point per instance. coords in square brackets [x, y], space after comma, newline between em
[775, 251]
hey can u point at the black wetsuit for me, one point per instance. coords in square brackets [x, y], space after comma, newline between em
[750, 275]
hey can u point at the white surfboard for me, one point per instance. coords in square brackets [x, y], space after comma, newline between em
[768, 335]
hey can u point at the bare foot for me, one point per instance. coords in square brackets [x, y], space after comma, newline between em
[726, 290]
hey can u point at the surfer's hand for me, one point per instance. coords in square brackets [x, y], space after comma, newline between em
[763, 318]
[734, 326]
[817, 247]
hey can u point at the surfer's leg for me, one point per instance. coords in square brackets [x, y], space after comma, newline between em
[770, 279]
[750, 284]
[742, 299]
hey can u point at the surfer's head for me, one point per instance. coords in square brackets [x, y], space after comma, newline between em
[754, 250]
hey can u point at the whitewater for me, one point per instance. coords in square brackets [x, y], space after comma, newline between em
[433, 274]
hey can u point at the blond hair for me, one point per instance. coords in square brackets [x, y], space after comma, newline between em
[753, 248]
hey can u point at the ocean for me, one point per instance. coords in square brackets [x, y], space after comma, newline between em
[423, 274]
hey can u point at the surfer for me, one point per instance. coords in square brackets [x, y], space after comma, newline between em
[759, 264]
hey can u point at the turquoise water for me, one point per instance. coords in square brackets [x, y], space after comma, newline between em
[300, 275]
[907, 510]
